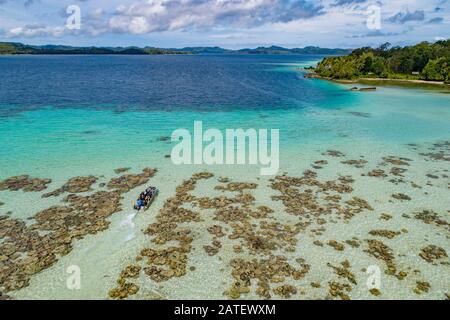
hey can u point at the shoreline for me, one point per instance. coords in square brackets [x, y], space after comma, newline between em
[383, 81]
[399, 82]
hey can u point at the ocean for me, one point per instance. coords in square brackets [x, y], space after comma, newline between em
[68, 116]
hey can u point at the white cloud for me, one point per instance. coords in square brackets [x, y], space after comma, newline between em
[231, 23]
[31, 31]
[162, 15]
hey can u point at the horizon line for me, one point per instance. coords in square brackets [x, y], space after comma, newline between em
[190, 46]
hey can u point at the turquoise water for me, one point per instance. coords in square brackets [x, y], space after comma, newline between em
[52, 140]
[77, 116]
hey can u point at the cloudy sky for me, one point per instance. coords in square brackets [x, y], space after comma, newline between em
[226, 23]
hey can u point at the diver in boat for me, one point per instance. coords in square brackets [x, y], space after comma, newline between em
[139, 204]
[145, 198]
[149, 194]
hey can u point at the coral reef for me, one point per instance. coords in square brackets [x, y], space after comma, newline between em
[74, 185]
[25, 183]
[431, 253]
[26, 249]
[384, 233]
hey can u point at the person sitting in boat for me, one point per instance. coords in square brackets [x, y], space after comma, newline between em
[145, 198]
[139, 204]
[149, 194]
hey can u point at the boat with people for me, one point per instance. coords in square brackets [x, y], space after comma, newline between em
[145, 199]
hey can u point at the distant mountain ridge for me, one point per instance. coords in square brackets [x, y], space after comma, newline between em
[268, 50]
[19, 48]
[305, 50]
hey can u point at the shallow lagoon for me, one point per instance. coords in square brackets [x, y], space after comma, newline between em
[74, 132]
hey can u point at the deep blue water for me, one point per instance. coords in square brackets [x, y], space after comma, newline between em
[162, 83]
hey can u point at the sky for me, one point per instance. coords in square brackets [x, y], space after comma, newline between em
[226, 23]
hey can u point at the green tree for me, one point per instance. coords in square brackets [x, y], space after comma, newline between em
[437, 69]
[430, 59]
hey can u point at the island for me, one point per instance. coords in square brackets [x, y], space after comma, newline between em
[422, 63]
[20, 48]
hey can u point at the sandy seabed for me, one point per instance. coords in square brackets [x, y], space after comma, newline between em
[315, 231]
